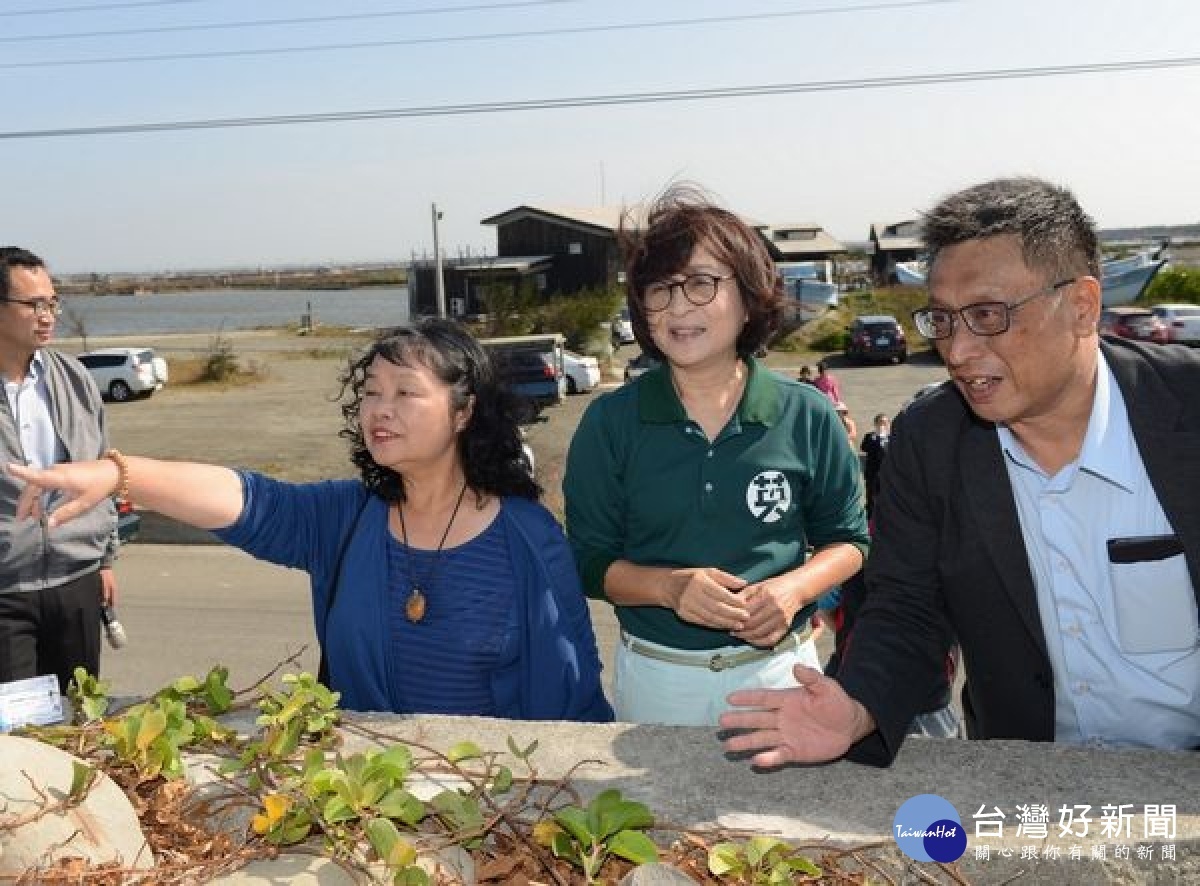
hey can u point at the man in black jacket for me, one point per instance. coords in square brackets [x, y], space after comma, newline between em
[1040, 509]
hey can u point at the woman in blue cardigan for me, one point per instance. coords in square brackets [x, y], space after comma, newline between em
[439, 584]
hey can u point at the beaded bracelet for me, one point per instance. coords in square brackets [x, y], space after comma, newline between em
[121, 490]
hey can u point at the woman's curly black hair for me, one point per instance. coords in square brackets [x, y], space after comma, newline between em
[489, 446]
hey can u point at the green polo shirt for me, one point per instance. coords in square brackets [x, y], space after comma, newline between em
[643, 483]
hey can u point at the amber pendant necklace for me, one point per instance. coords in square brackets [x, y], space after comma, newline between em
[416, 604]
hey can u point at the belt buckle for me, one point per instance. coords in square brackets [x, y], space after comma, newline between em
[717, 663]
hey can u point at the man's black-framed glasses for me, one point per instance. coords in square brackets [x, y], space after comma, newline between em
[51, 307]
[699, 289]
[982, 318]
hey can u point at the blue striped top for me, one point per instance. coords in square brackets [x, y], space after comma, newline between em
[444, 663]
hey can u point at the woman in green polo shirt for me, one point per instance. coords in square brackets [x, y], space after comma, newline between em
[711, 501]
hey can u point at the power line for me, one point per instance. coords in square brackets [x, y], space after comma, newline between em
[97, 8]
[470, 38]
[635, 98]
[273, 22]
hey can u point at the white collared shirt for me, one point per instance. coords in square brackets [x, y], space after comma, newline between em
[1122, 638]
[29, 403]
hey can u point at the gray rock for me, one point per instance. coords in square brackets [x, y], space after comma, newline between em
[103, 828]
[656, 875]
[295, 870]
[453, 865]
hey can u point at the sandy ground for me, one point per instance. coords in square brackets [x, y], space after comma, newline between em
[286, 424]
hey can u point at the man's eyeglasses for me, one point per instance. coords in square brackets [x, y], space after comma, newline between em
[699, 289]
[51, 307]
[982, 318]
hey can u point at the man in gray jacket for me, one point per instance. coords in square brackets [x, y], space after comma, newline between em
[52, 581]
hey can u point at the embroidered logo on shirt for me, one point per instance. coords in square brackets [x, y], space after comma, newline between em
[768, 496]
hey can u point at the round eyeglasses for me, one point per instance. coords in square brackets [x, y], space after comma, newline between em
[982, 318]
[699, 289]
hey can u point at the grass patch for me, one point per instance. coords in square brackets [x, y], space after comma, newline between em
[325, 330]
[827, 333]
[197, 371]
[330, 352]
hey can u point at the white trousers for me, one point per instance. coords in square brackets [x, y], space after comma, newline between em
[647, 690]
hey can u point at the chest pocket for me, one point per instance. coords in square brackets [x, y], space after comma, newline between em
[1155, 606]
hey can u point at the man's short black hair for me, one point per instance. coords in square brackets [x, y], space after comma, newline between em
[15, 257]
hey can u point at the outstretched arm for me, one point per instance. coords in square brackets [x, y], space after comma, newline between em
[812, 723]
[207, 496]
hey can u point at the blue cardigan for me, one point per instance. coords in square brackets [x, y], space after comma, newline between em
[557, 672]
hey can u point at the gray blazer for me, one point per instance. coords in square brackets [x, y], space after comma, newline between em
[948, 560]
[33, 557]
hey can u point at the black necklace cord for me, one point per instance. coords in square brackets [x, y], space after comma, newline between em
[414, 607]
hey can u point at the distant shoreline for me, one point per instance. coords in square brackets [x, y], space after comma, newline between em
[147, 284]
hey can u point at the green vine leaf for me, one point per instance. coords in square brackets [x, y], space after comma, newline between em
[503, 781]
[464, 750]
[633, 846]
[724, 858]
[82, 779]
[403, 806]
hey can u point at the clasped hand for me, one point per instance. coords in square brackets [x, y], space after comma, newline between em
[760, 614]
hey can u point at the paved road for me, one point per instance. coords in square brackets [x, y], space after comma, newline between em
[187, 607]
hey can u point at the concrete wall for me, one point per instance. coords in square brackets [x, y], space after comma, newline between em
[684, 777]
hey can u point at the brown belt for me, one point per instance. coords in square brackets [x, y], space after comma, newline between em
[716, 661]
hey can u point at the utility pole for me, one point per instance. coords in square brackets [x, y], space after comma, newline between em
[438, 283]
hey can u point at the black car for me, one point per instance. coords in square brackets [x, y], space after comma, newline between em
[532, 367]
[876, 337]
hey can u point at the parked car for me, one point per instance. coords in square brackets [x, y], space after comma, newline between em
[1182, 322]
[122, 373]
[128, 520]
[876, 337]
[532, 365]
[622, 329]
[1130, 321]
[583, 373]
[639, 365]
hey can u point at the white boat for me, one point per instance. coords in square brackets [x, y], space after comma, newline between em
[1122, 279]
[1123, 285]
[804, 282]
[910, 273]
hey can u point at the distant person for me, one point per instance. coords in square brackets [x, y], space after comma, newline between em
[52, 583]
[847, 420]
[694, 493]
[439, 584]
[1041, 511]
[874, 448]
[806, 375]
[827, 383]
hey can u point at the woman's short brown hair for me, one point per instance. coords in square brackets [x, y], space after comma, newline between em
[680, 220]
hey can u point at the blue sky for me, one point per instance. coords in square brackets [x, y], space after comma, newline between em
[1125, 142]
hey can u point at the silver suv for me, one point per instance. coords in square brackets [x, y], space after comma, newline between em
[122, 373]
[1182, 322]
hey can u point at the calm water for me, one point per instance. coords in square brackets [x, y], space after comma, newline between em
[231, 309]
